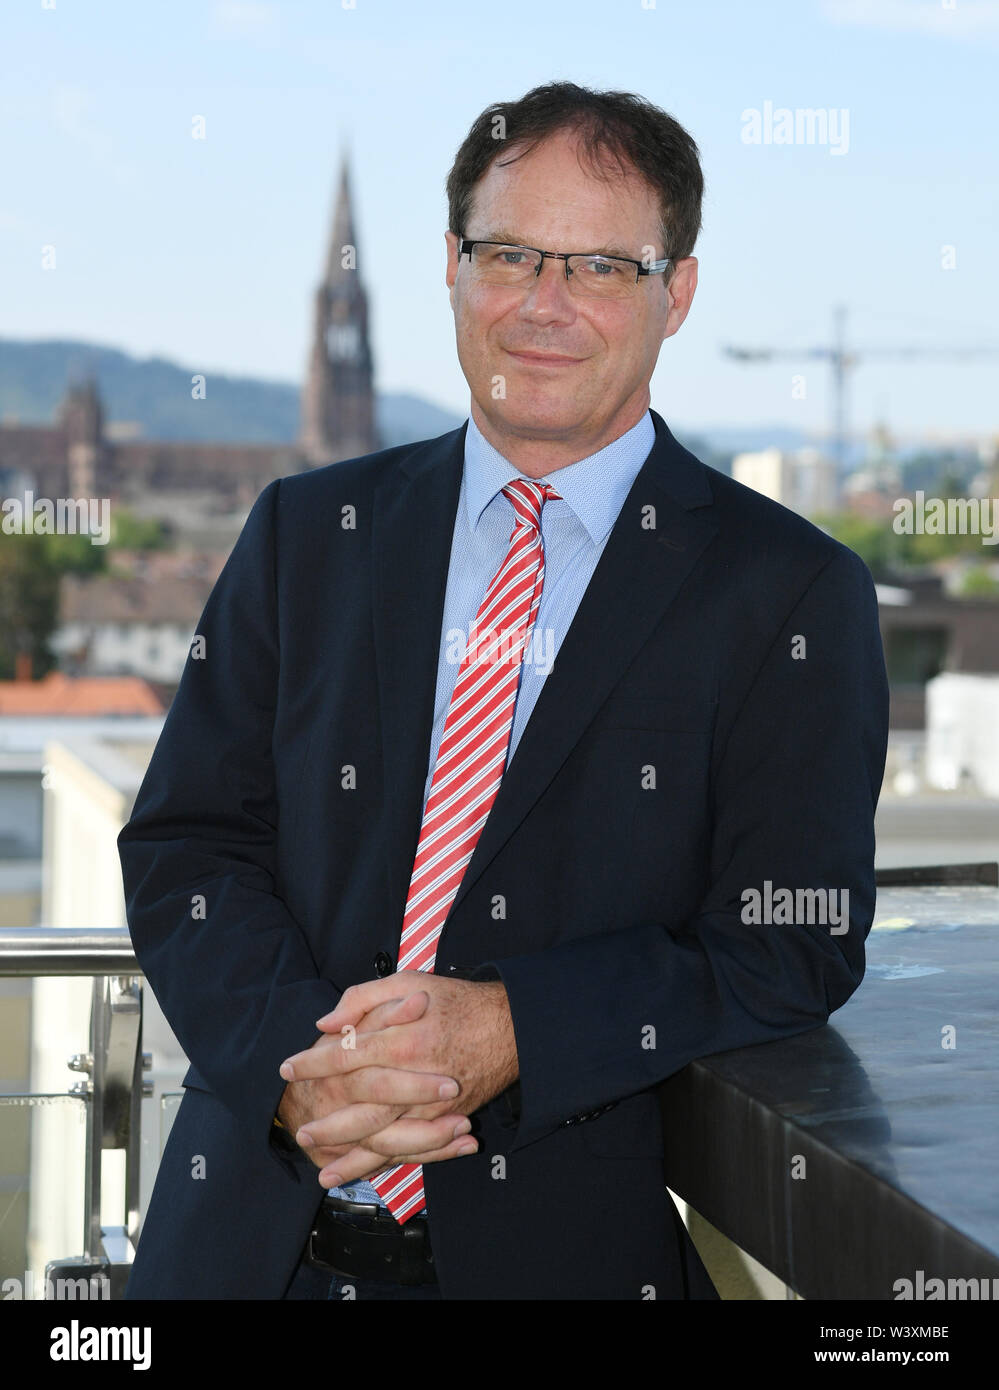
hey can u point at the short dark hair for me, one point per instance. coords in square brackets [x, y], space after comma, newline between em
[613, 128]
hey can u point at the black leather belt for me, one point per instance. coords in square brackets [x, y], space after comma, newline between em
[364, 1240]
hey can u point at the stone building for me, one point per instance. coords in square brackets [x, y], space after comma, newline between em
[186, 483]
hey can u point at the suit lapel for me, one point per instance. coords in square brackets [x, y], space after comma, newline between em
[412, 528]
[636, 579]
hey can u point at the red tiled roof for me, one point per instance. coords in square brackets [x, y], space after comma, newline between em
[59, 694]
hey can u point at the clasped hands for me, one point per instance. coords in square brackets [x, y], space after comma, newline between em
[399, 1065]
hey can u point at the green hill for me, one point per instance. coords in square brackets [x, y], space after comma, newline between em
[156, 394]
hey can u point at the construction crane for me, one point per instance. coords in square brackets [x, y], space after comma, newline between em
[842, 360]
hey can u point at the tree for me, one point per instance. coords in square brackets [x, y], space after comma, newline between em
[31, 567]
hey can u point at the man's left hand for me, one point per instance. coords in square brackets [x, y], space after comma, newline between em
[466, 1032]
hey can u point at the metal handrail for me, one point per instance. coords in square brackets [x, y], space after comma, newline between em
[113, 1068]
[28, 951]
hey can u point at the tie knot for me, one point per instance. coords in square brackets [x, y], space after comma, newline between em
[528, 498]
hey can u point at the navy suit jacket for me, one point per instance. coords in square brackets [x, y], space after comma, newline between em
[716, 718]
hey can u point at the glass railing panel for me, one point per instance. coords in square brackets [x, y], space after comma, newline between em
[42, 1163]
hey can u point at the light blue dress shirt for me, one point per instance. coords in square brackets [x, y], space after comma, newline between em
[574, 530]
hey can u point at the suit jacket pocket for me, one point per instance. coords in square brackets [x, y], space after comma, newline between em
[633, 1129]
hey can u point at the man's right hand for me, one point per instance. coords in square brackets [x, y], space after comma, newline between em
[389, 1095]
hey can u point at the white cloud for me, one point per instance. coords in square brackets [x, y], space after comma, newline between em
[13, 221]
[255, 20]
[965, 19]
[71, 107]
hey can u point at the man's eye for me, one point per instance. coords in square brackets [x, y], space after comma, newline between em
[512, 257]
[604, 270]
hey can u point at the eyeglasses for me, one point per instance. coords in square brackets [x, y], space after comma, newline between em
[589, 276]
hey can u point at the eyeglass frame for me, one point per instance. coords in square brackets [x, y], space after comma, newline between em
[656, 268]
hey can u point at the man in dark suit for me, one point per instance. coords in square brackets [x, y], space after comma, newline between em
[689, 716]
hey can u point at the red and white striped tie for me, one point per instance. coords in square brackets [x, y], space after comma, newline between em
[470, 764]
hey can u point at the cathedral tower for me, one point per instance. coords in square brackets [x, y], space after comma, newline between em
[82, 419]
[338, 414]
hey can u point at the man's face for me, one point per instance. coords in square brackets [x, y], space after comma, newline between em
[601, 352]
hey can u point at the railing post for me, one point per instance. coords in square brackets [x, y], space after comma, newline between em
[112, 1088]
[95, 1120]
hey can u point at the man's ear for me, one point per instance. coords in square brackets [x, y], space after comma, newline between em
[451, 273]
[681, 292]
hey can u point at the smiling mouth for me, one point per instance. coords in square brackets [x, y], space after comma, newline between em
[544, 359]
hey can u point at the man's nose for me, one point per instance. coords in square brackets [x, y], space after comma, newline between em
[548, 298]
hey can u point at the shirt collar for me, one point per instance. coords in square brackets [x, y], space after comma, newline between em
[594, 487]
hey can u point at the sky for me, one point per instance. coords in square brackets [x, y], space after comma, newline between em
[208, 251]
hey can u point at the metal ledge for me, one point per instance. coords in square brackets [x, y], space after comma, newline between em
[892, 1135]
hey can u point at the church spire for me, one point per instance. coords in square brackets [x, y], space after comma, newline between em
[338, 398]
[342, 232]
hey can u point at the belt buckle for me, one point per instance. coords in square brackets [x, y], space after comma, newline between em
[345, 1204]
[413, 1254]
[313, 1258]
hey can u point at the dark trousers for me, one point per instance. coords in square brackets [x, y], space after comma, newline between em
[313, 1283]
